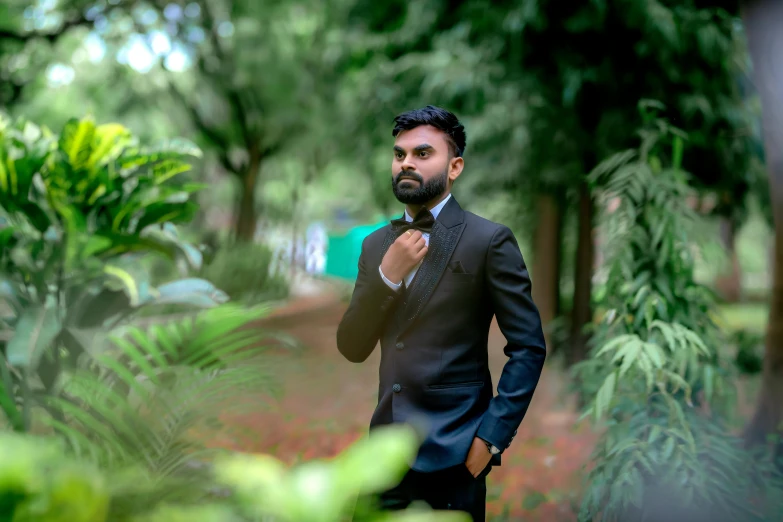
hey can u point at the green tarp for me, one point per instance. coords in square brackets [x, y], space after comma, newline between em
[342, 257]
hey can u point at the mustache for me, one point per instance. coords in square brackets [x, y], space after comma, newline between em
[411, 175]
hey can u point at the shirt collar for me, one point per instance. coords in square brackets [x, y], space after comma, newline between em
[434, 211]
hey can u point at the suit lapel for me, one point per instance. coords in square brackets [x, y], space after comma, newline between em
[391, 235]
[443, 240]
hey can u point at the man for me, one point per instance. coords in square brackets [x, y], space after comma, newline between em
[428, 287]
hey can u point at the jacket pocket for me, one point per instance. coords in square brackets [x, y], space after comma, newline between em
[446, 386]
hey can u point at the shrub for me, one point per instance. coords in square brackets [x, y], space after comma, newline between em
[656, 379]
[245, 272]
[80, 209]
[39, 482]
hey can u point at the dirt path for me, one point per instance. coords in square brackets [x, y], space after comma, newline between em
[327, 404]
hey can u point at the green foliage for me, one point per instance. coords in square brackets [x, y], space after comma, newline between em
[40, 482]
[145, 405]
[655, 378]
[749, 347]
[246, 272]
[78, 211]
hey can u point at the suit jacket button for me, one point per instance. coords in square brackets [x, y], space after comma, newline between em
[400, 345]
[396, 388]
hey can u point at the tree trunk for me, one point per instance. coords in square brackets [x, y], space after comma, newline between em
[729, 283]
[245, 214]
[546, 259]
[582, 313]
[763, 19]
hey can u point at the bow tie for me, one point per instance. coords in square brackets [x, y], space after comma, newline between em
[424, 221]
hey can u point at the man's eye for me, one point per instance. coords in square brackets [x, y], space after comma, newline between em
[423, 154]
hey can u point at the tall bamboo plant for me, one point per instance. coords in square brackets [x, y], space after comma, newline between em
[657, 381]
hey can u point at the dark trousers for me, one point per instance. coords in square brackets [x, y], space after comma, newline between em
[453, 489]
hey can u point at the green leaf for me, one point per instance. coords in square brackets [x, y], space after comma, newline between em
[110, 139]
[127, 283]
[94, 245]
[616, 342]
[605, 394]
[76, 141]
[668, 449]
[167, 169]
[7, 398]
[629, 354]
[163, 212]
[167, 237]
[391, 451]
[678, 146]
[655, 354]
[709, 380]
[37, 328]
[6, 235]
[9, 295]
[191, 291]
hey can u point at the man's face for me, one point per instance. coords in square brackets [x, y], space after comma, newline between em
[423, 167]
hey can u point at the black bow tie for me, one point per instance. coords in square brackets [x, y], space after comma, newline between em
[424, 221]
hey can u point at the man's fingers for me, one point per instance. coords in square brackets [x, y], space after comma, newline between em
[415, 235]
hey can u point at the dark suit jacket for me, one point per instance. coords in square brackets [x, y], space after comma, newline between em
[433, 336]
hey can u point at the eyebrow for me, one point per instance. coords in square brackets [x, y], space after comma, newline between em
[417, 148]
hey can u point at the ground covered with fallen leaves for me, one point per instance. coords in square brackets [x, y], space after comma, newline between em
[326, 404]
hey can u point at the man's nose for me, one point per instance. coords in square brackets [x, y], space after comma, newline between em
[407, 163]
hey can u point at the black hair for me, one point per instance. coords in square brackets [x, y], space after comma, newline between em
[439, 118]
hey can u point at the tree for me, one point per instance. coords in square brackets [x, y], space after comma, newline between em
[260, 78]
[657, 379]
[561, 85]
[762, 20]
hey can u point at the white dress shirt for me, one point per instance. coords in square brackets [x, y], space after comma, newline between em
[434, 211]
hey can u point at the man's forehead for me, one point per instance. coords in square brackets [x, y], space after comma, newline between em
[422, 135]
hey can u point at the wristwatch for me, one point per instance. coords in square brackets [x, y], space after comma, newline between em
[491, 448]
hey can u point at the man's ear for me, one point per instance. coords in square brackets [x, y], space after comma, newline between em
[455, 168]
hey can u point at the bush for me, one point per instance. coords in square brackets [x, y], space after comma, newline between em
[40, 483]
[127, 410]
[81, 210]
[245, 272]
[657, 380]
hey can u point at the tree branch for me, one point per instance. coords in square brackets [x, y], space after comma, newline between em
[233, 96]
[222, 142]
[200, 123]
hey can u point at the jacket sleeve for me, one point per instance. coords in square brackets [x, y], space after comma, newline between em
[519, 321]
[367, 313]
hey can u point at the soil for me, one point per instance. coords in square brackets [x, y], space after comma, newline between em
[326, 404]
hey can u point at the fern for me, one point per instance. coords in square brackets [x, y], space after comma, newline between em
[153, 399]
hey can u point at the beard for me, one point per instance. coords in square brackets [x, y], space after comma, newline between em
[422, 193]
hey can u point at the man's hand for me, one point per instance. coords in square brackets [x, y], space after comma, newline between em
[404, 254]
[478, 457]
